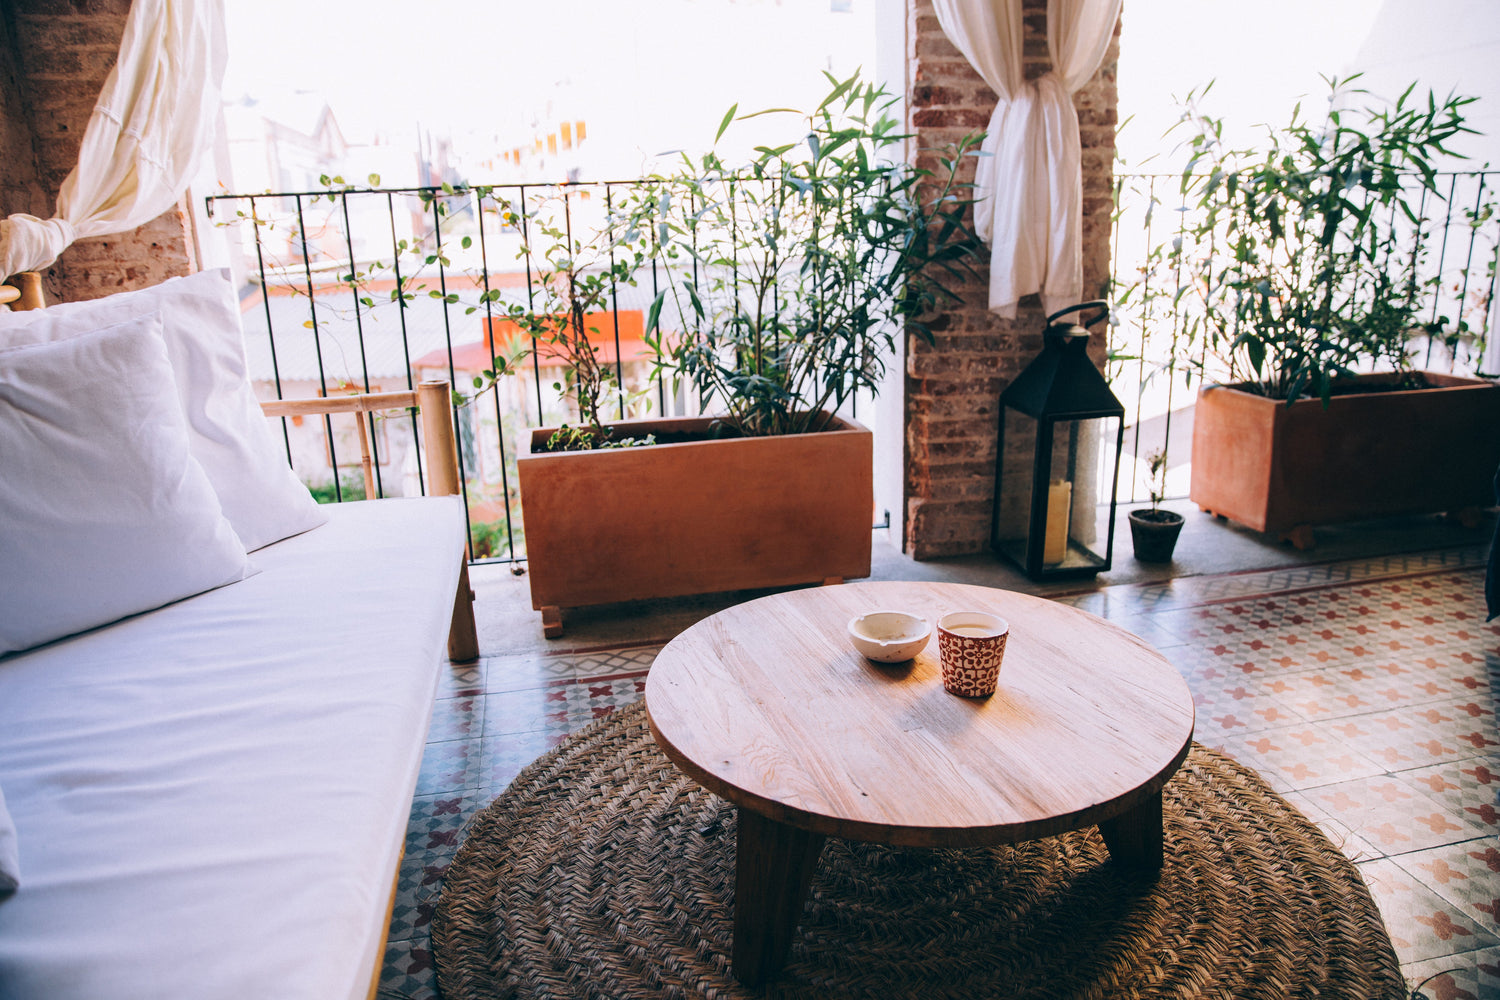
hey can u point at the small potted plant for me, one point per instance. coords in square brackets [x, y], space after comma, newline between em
[1153, 531]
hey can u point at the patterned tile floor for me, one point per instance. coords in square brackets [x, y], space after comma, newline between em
[1364, 691]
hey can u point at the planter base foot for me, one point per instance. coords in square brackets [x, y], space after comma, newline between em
[1301, 537]
[832, 581]
[552, 626]
[1212, 514]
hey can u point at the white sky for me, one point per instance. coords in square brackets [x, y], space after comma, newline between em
[1265, 55]
[646, 75]
[1259, 62]
[651, 75]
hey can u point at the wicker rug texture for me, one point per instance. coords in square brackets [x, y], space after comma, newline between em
[603, 872]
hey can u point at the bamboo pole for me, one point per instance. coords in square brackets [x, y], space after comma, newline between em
[366, 402]
[439, 444]
[23, 292]
[364, 457]
[441, 448]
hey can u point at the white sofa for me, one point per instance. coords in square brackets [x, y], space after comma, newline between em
[209, 799]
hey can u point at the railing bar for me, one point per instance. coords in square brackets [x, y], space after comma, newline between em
[661, 379]
[536, 362]
[464, 188]
[614, 295]
[499, 561]
[1146, 307]
[265, 300]
[1416, 249]
[1463, 295]
[312, 307]
[463, 474]
[776, 278]
[416, 189]
[1166, 442]
[1489, 298]
[390, 207]
[1442, 259]
[1115, 253]
[489, 325]
[575, 314]
[364, 360]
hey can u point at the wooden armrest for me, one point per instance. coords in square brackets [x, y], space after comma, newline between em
[439, 445]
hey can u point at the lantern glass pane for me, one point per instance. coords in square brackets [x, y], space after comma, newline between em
[1080, 475]
[1017, 472]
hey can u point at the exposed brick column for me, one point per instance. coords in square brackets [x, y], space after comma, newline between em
[953, 387]
[20, 188]
[62, 51]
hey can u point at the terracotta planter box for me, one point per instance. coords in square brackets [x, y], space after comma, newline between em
[1282, 469]
[698, 517]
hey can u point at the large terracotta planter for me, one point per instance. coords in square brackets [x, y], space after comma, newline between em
[1283, 469]
[697, 517]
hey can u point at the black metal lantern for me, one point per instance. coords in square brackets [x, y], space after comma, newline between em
[1052, 468]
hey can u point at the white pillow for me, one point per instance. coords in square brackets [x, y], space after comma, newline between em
[10, 859]
[103, 510]
[230, 436]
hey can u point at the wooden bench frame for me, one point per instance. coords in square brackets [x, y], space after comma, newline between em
[23, 292]
[439, 447]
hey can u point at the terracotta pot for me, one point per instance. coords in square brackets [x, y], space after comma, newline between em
[1282, 469]
[1153, 534]
[697, 517]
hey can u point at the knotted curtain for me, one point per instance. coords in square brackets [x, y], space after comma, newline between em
[154, 118]
[1030, 182]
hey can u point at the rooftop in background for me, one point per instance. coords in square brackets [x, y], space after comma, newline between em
[386, 340]
[647, 76]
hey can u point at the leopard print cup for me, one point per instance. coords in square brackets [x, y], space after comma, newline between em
[970, 647]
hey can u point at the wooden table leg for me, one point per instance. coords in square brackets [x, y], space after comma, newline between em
[1134, 838]
[774, 866]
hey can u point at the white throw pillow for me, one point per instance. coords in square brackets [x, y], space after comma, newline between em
[104, 512]
[230, 436]
[10, 858]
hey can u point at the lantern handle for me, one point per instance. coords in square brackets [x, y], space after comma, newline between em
[1099, 304]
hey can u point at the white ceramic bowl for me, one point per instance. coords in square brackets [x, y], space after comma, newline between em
[889, 636]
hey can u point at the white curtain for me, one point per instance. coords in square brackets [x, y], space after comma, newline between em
[154, 118]
[1031, 182]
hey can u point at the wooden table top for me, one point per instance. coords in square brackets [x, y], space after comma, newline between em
[769, 705]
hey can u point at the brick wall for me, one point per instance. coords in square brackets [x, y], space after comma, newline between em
[20, 188]
[953, 386]
[58, 53]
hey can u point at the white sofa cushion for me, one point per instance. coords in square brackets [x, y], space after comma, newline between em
[230, 436]
[10, 857]
[103, 510]
[212, 797]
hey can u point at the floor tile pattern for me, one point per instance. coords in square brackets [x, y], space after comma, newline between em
[1364, 691]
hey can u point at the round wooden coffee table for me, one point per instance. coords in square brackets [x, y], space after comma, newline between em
[768, 705]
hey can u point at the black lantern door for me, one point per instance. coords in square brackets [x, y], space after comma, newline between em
[1058, 458]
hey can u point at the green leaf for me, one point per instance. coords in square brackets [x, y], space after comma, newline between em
[723, 125]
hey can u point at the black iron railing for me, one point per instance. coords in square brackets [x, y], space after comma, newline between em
[377, 287]
[370, 288]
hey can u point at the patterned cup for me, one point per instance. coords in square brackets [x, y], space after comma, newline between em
[970, 647]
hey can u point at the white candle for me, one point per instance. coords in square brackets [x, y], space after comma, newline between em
[1059, 510]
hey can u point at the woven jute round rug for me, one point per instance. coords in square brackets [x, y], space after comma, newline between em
[603, 872]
